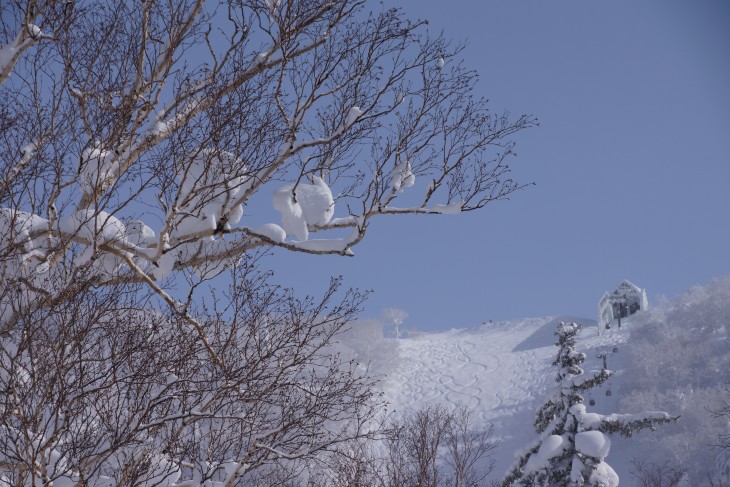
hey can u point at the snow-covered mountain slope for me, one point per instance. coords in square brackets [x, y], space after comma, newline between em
[502, 371]
[672, 357]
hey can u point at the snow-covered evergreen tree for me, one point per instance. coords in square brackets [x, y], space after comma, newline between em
[572, 442]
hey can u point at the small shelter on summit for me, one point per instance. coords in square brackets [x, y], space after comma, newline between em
[627, 299]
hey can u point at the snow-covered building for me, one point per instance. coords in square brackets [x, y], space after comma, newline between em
[625, 300]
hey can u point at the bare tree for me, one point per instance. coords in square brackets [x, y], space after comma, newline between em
[91, 383]
[137, 143]
[650, 474]
[468, 449]
[434, 447]
[356, 464]
[723, 411]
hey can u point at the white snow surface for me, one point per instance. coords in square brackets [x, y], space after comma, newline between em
[502, 371]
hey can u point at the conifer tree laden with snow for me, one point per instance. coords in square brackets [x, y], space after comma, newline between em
[574, 443]
[134, 139]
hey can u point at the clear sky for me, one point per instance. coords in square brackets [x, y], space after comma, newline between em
[631, 164]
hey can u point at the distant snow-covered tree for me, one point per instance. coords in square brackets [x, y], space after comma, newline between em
[149, 147]
[396, 317]
[724, 436]
[678, 355]
[365, 343]
[573, 443]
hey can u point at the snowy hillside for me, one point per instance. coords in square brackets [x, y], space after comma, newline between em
[673, 357]
[503, 372]
[500, 370]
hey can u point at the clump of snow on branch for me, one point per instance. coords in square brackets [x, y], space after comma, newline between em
[139, 234]
[304, 204]
[271, 231]
[97, 168]
[26, 244]
[352, 115]
[551, 447]
[208, 193]
[34, 31]
[94, 226]
[603, 474]
[292, 215]
[450, 209]
[403, 176]
[28, 149]
[160, 127]
[593, 443]
[164, 265]
[25, 234]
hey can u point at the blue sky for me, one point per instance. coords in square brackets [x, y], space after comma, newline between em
[631, 164]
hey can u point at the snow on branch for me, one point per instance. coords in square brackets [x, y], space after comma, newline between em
[628, 424]
[10, 53]
[156, 162]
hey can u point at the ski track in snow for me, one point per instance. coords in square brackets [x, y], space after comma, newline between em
[501, 371]
[475, 368]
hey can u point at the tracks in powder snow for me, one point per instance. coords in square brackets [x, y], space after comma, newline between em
[476, 368]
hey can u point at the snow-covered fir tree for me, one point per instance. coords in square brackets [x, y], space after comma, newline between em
[573, 443]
